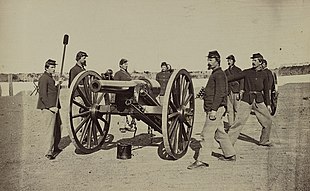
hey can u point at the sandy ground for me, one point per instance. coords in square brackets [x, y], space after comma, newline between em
[283, 167]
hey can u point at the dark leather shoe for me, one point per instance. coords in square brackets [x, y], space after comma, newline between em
[197, 164]
[50, 157]
[231, 158]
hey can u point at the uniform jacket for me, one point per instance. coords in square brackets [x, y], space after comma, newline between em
[216, 91]
[74, 71]
[255, 85]
[234, 86]
[122, 75]
[163, 78]
[47, 92]
[270, 78]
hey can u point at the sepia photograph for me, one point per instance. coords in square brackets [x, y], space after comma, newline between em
[148, 95]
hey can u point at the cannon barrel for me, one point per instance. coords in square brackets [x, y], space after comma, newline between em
[149, 89]
[112, 86]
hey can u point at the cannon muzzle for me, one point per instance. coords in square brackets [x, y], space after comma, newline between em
[95, 86]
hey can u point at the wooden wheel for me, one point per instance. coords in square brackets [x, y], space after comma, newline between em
[178, 113]
[88, 127]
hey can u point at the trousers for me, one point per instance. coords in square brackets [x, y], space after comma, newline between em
[232, 107]
[262, 114]
[53, 130]
[215, 129]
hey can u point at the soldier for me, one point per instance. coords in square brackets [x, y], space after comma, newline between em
[123, 75]
[50, 112]
[78, 67]
[215, 102]
[256, 91]
[163, 77]
[108, 75]
[234, 88]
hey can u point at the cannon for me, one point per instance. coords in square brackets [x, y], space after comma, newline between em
[93, 101]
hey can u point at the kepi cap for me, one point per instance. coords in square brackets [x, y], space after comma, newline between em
[80, 54]
[257, 55]
[163, 64]
[50, 62]
[231, 57]
[214, 54]
[123, 61]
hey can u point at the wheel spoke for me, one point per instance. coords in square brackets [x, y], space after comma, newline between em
[183, 132]
[173, 106]
[94, 131]
[175, 94]
[172, 115]
[81, 124]
[84, 132]
[81, 114]
[89, 133]
[187, 99]
[99, 127]
[175, 138]
[79, 104]
[182, 89]
[172, 128]
[99, 99]
[185, 92]
[103, 119]
[83, 96]
[87, 89]
[180, 138]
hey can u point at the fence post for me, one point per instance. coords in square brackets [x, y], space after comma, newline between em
[10, 80]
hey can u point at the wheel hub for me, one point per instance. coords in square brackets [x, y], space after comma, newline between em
[94, 110]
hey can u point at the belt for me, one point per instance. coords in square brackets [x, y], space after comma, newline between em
[255, 92]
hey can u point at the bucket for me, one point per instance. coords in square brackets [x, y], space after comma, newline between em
[123, 151]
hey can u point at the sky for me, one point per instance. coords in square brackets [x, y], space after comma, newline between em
[147, 32]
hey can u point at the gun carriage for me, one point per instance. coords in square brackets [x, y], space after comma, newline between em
[92, 105]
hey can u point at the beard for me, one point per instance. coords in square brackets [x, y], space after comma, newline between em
[83, 63]
[209, 67]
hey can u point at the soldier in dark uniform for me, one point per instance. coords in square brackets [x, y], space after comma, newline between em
[234, 88]
[108, 75]
[78, 67]
[50, 112]
[215, 101]
[163, 78]
[123, 75]
[256, 91]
